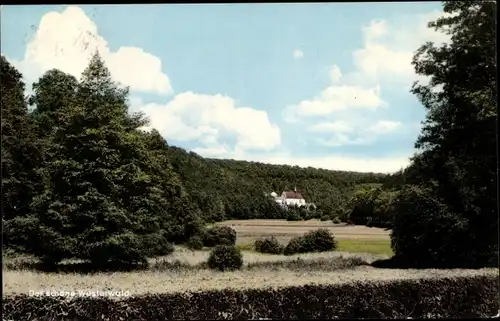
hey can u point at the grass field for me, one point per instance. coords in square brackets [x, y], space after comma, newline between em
[351, 246]
[251, 229]
[354, 239]
[180, 281]
[366, 246]
[184, 270]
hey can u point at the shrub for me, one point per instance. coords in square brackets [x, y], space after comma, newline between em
[320, 240]
[195, 243]
[473, 297]
[269, 246]
[325, 218]
[219, 235]
[295, 245]
[224, 258]
[336, 220]
[128, 249]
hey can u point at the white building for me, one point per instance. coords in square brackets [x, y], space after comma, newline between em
[292, 198]
[289, 198]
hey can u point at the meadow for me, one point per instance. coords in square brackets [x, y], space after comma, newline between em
[184, 279]
[184, 270]
[351, 238]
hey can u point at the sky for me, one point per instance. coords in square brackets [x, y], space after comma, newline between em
[325, 85]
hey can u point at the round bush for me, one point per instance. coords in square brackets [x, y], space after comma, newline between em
[325, 218]
[195, 243]
[294, 246]
[225, 258]
[219, 235]
[269, 246]
[336, 220]
[320, 240]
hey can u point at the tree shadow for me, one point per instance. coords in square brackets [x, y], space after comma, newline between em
[109, 267]
[81, 267]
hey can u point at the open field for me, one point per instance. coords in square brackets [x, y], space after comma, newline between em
[253, 229]
[351, 238]
[378, 247]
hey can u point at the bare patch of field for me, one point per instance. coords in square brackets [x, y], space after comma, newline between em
[251, 230]
[144, 282]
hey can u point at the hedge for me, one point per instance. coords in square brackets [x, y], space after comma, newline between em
[457, 297]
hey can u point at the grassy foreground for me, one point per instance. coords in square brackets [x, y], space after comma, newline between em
[185, 270]
[312, 285]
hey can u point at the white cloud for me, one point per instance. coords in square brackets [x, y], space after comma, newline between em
[67, 40]
[336, 126]
[384, 127]
[341, 133]
[335, 74]
[339, 139]
[297, 54]
[340, 162]
[389, 47]
[334, 99]
[345, 113]
[214, 121]
[376, 30]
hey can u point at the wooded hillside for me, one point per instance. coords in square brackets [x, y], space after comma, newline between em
[230, 189]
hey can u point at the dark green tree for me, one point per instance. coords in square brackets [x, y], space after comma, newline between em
[99, 201]
[53, 93]
[181, 217]
[459, 138]
[20, 153]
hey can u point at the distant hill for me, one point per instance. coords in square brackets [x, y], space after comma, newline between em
[234, 189]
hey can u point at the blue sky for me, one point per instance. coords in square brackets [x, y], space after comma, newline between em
[322, 85]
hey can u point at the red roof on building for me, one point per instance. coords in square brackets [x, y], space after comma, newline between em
[292, 194]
